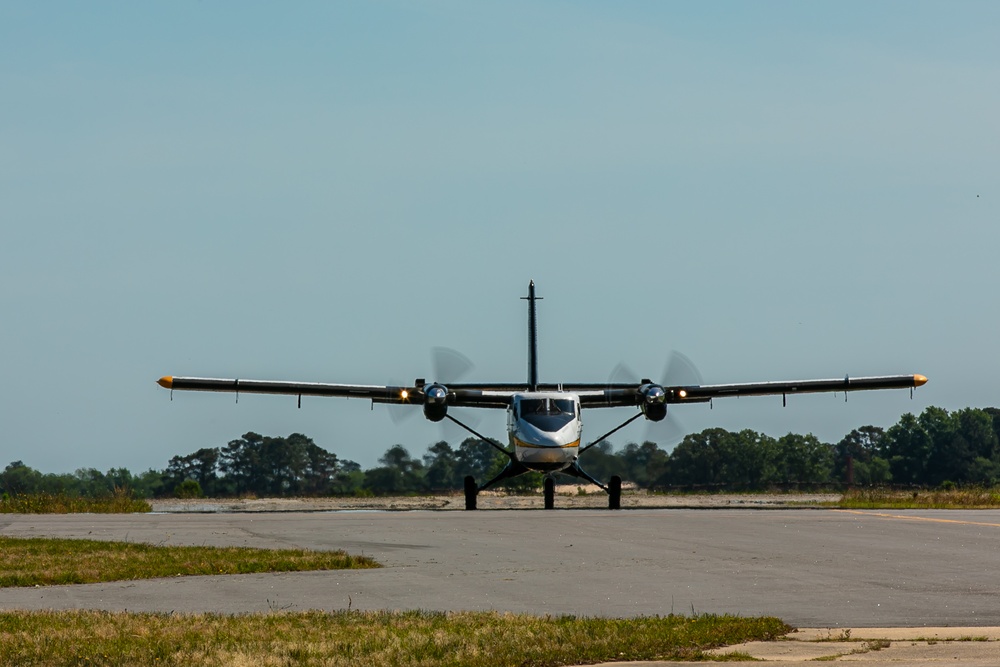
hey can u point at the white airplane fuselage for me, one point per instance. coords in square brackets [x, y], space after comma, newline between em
[544, 429]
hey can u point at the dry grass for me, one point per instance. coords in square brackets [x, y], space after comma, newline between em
[121, 502]
[362, 638]
[45, 562]
[967, 498]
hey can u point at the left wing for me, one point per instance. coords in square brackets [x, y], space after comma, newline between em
[597, 396]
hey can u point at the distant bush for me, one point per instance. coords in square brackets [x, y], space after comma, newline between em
[189, 488]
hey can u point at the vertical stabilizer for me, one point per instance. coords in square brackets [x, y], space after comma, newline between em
[532, 338]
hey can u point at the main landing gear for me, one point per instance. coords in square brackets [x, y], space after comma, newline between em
[613, 489]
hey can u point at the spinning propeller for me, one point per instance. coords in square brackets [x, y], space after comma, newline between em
[449, 366]
[661, 423]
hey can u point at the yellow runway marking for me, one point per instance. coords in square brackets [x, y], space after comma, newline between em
[919, 518]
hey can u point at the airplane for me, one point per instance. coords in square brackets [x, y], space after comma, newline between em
[544, 425]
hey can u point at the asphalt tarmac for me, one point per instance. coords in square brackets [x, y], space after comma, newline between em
[811, 568]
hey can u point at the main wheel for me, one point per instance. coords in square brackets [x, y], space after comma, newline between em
[615, 493]
[471, 491]
[550, 493]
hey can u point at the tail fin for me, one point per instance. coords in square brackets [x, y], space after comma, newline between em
[532, 338]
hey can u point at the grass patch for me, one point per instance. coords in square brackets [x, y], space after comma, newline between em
[49, 562]
[120, 502]
[732, 656]
[970, 498]
[355, 638]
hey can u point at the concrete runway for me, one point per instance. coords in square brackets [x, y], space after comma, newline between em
[812, 568]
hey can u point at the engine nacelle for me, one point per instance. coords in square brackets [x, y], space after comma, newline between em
[435, 402]
[653, 402]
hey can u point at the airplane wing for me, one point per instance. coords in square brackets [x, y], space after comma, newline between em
[481, 396]
[594, 396]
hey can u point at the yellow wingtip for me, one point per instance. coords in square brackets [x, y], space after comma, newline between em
[167, 381]
[919, 380]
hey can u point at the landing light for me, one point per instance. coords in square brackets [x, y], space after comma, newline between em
[682, 393]
[404, 394]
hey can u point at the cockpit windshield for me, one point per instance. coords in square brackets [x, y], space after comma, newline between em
[548, 414]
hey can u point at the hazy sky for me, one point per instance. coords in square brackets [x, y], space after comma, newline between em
[325, 191]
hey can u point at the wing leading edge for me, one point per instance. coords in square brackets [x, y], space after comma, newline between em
[499, 395]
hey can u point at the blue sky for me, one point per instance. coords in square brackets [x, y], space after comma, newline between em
[326, 191]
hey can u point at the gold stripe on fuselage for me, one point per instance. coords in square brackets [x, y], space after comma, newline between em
[521, 443]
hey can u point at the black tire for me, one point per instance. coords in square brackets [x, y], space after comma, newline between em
[471, 491]
[550, 493]
[615, 493]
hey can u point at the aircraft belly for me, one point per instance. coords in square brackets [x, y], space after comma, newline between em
[547, 455]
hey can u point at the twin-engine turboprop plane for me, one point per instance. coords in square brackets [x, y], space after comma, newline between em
[543, 420]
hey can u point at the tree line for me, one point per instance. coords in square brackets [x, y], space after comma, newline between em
[933, 449]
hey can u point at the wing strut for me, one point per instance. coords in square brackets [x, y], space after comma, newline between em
[489, 441]
[609, 433]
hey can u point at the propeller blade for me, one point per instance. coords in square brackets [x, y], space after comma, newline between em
[622, 374]
[680, 371]
[399, 412]
[449, 365]
[668, 432]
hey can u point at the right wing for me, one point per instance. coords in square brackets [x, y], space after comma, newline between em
[477, 397]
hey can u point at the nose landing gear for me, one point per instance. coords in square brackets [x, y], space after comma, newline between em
[550, 492]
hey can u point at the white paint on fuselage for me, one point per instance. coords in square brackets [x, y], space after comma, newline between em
[544, 428]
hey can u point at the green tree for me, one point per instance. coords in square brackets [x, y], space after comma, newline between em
[601, 462]
[977, 428]
[697, 459]
[743, 460]
[92, 482]
[476, 458]
[440, 468]
[399, 473]
[803, 459]
[320, 469]
[949, 455]
[202, 466]
[149, 484]
[240, 461]
[644, 464]
[994, 414]
[906, 445]
[860, 445]
[349, 479]
[18, 478]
